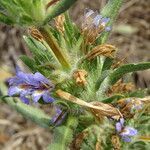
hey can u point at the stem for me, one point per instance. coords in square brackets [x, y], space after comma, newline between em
[63, 135]
[51, 41]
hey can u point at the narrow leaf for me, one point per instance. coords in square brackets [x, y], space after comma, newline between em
[118, 73]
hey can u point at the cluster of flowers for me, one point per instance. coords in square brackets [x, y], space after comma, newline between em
[125, 132]
[93, 25]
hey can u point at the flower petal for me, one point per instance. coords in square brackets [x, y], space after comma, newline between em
[24, 100]
[128, 131]
[39, 77]
[89, 13]
[14, 81]
[126, 139]
[13, 90]
[58, 112]
[97, 19]
[122, 121]
[118, 127]
[47, 98]
[37, 95]
[59, 117]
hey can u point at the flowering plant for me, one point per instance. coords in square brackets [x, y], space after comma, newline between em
[75, 70]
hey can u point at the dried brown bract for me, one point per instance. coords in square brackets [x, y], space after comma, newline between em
[35, 33]
[78, 140]
[120, 87]
[80, 77]
[129, 106]
[106, 50]
[116, 142]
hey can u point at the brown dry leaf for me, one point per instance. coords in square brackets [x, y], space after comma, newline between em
[97, 107]
[98, 146]
[35, 33]
[106, 50]
[116, 142]
[76, 144]
[80, 77]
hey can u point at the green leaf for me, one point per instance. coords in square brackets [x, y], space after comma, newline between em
[5, 19]
[29, 62]
[58, 8]
[118, 73]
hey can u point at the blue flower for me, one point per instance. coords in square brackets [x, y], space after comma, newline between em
[31, 85]
[125, 132]
[93, 25]
[59, 116]
[93, 20]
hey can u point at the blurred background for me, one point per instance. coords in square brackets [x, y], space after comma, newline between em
[131, 34]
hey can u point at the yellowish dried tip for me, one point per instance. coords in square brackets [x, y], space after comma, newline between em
[116, 142]
[106, 50]
[35, 33]
[59, 23]
[80, 77]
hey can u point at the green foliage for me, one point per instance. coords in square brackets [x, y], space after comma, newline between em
[63, 135]
[118, 73]
[59, 8]
[31, 12]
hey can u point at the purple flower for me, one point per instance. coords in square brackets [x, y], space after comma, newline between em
[31, 85]
[125, 132]
[135, 105]
[94, 20]
[59, 116]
